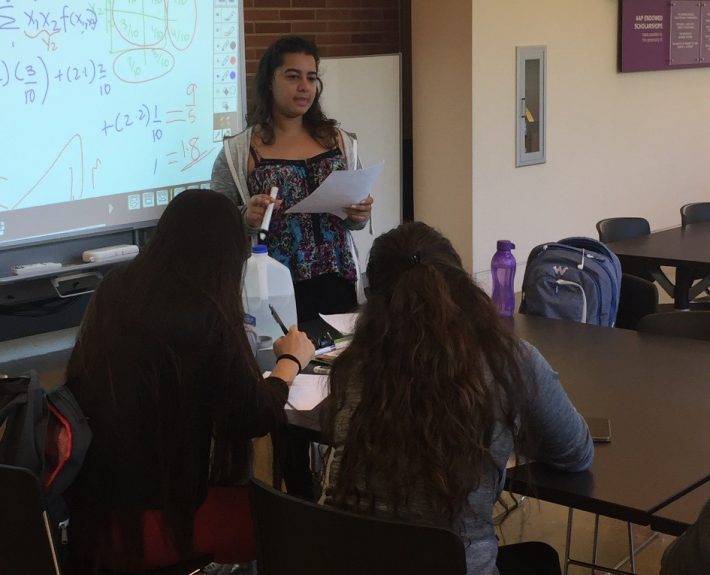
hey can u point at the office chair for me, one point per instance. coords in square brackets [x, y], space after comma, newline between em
[296, 536]
[26, 544]
[627, 228]
[693, 324]
[695, 213]
[639, 298]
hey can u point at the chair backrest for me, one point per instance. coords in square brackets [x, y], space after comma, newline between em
[639, 298]
[25, 539]
[695, 213]
[617, 229]
[295, 536]
[691, 324]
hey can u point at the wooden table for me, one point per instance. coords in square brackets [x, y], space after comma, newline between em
[656, 392]
[654, 389]
[687, 249]
[677, 516]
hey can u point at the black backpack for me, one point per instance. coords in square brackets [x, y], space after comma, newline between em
[47, 433]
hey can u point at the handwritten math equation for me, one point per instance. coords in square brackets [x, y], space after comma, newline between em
[35, 77]
[44, 25]
[183, 153]
[144, 116]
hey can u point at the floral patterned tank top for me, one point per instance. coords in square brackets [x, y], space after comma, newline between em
[310, 245]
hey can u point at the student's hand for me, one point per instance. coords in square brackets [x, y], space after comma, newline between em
[297, 344]
[360, 212]
[256, 207]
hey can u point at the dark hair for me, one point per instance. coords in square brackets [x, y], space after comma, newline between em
[434, 368]
[162, 364]
[318, 125]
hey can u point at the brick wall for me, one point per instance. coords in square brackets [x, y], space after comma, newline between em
[338, 27]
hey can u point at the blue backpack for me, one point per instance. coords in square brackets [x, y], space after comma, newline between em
[577, 279]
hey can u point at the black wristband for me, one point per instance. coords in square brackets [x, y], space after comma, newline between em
[292, 358]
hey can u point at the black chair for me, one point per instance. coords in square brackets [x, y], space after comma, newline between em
[693, 214]
[639, 298]
[693, 324]
[627, 228]
[295, 536]
[26, 544]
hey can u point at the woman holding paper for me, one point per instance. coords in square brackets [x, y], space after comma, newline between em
[292, 146]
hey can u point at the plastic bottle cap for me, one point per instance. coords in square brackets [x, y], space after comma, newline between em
[505, 245]
[259, 249]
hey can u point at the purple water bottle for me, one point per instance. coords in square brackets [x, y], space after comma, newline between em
[503, 272]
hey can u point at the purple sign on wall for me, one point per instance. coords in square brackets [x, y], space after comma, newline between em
[664, 34]
[644, 35]
[705, 39]
[685, 33]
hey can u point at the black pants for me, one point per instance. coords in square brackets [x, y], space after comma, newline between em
[328, 293]
[531, 558]
[296, 466]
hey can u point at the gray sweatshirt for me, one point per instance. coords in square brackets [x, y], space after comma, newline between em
[690, 553]
[562, 440]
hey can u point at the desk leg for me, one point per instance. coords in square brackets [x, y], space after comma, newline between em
[683, 280]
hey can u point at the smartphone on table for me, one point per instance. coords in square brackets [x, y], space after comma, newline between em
[600, 429]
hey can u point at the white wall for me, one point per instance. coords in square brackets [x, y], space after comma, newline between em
[364, 94]
[617, 144]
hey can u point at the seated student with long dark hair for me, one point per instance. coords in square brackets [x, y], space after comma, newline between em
[432, 397]
[165, 373]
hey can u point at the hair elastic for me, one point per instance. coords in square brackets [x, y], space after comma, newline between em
[292, 358]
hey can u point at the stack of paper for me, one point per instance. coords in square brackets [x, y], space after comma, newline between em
[343, 322]
[306, 391]
[342, 188]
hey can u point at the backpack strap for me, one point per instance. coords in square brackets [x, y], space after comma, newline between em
[23, 412]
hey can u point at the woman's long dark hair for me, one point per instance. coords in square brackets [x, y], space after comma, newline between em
[162, 364]
[434, 368]
[318, 125]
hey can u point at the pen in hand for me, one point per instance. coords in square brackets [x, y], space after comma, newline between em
[278, 319]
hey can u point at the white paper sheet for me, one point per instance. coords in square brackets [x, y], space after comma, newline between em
[306, 391]
[342, 188]
[343, 322]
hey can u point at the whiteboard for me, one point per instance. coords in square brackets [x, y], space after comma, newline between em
[113, 108]
[364, 94]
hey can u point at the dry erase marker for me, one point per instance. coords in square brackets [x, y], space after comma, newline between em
[266, 222]
[278, 319]
[321, 370]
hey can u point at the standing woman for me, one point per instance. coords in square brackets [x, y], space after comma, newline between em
[291, 145]
[165, 374]
[432, 397]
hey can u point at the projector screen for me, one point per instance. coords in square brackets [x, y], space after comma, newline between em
[111, 108]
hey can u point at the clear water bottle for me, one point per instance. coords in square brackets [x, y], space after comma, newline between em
[503, 272]
[268, 282]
